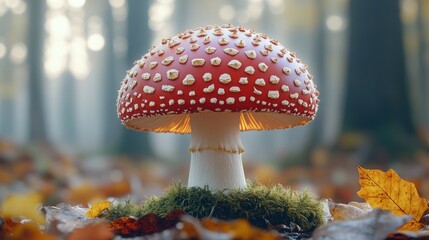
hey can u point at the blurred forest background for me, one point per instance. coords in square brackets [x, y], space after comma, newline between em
[61, 62]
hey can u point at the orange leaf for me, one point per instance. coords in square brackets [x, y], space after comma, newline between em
[23, 205]
[386, 190]
[238, 229]
[97, 208]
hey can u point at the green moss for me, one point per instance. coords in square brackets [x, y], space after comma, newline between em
[256, 203]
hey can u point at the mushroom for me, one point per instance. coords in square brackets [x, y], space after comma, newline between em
[214, 82]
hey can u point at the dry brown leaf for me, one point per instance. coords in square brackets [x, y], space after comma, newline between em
[386, 190]
[28, 230]
[352, 210]
[375, 226]
[238, 229]
[98, 231]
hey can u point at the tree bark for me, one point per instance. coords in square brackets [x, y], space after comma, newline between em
[132, 142]
[377, 95]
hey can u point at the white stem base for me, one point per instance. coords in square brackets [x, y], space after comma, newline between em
[217, 170]
[216, 150]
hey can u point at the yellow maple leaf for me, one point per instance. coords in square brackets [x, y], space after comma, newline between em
[25, 205]
[386, 190]
[97, 208]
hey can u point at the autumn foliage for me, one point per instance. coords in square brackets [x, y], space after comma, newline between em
[386, 190]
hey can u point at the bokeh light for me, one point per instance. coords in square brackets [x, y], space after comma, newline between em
[95, 42]
[18, 53]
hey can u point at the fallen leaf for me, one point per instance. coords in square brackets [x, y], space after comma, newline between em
[23, 205]
[388, 191]
[97, 208]
[375, 225]
[65, 218]
[352, 210]
[210, 228]
[420, 235]
[146, 225]
[29, 230]
[97, 231]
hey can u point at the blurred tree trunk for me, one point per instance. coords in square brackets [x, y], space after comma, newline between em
[35, 37]
[133, 142]
[377, 95]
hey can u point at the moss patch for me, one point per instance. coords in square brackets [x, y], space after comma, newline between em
[256, 203]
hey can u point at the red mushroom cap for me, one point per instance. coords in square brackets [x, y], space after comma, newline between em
[220, 69]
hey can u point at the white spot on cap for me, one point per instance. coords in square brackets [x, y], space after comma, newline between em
[167, 61]
[264, 52]
[145, 76]
[243, 80]
[148, 89]
[256, 91]
[202, 100]
[171, 102]
[194, 47]
[285, 102]
[206, 40]
[192, 93]
[221, 91]
[251, 54]
[207, 77]
[269, 47]
[152, 104]
[179, 50]
[274, 60]
[153, 64]
[240, 43]
[225, 78]
[231, 51]
[198, 62]
[273, 94]
[252, 98]
[263, 67]
[294, 95]
[183, 59]
[260, 82]
[234, 89]
[210, 50]
[192, 102]
[305, 92]
[274, 79]
[213, 100]
[181, 101]
[285, 88]
[286, 70]
[223, 41]
[209, 89]
[249, 70]
[167, 88]
[172, 74]
[157, 77]
[242, 99]
[234, 64]
[230, 100]
[215, 61]
[297, 82]
[179, 92]
[297, 71]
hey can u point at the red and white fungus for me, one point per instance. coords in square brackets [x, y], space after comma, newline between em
[214, 74]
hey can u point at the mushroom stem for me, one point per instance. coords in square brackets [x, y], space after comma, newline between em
[216, 150]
